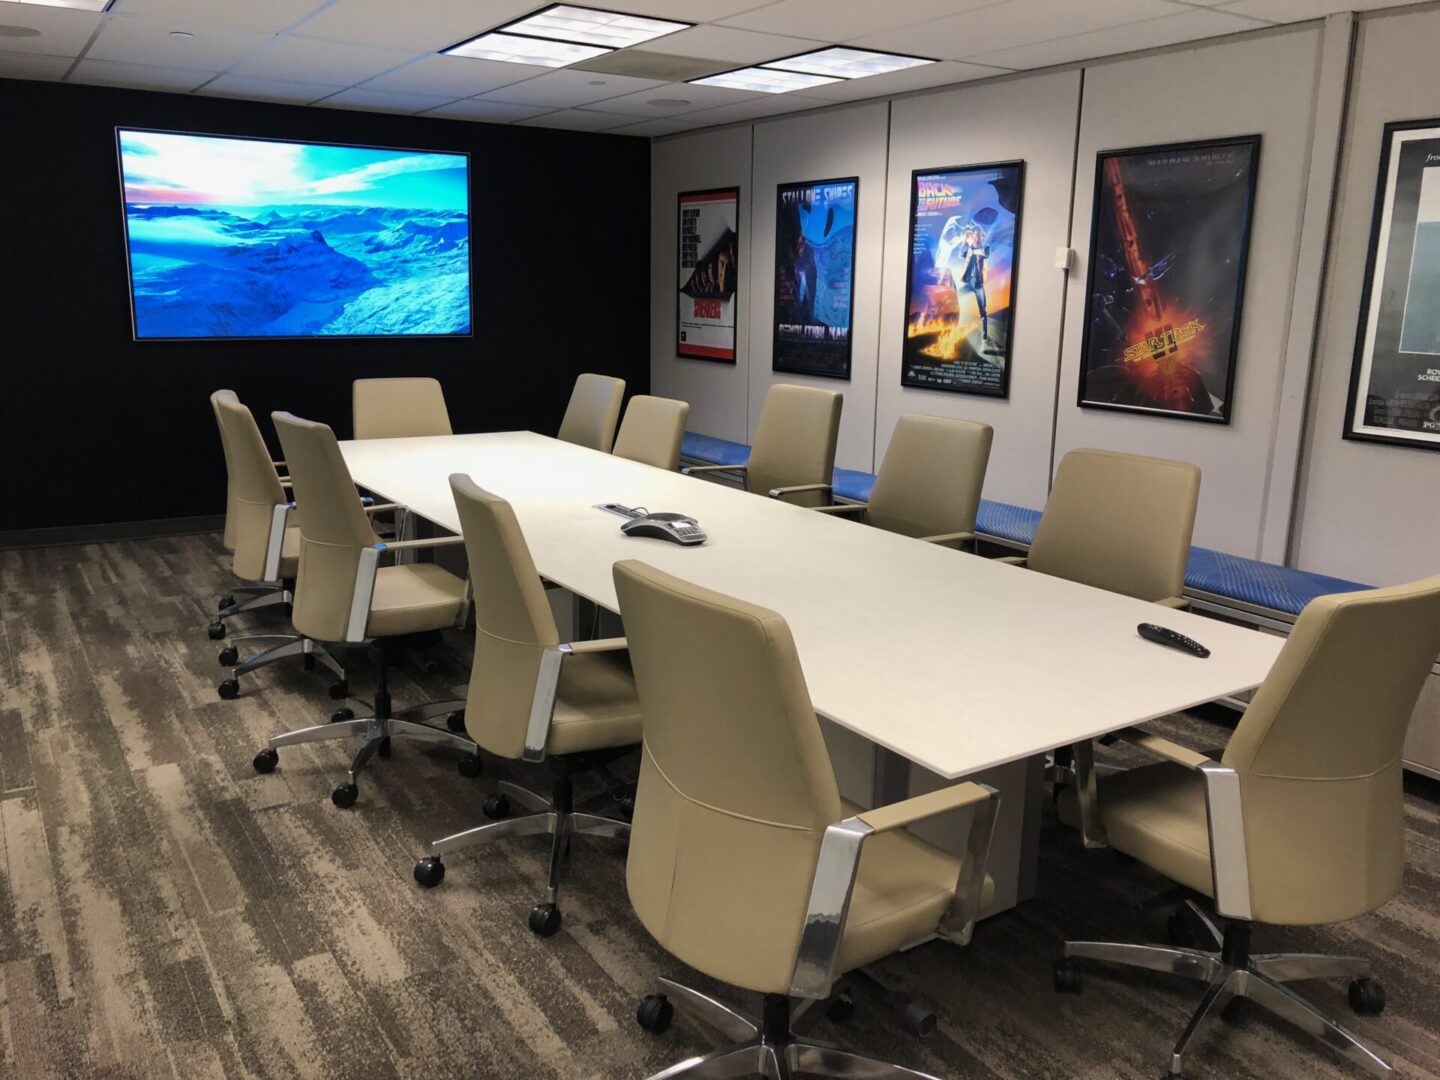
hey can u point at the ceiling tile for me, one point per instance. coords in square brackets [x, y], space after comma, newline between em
[253, 89]
[136, 76]
[1005, 26]
[652, 128]
[33, 66]
[733, 46]
[379, 101]
[135, 40]
[899, 82]
[692, 11]
[567, 89]
[1153, 33]
[1298, 10]
[271, 16]
[62, 31]
[841, 20]
[757, 109]
[309, 60]
[578, 120]
[496, 112]
[698, 97]
[429, 25]
[457, 76]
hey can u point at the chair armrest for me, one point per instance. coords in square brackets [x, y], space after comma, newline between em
[275, 544]
[839, 862]
[597, 645]
[285, 481]
[1013, 560]
[434, 541]
[786, 492]
[1179, 603]
[1170, 751]
[691, 470]
[842, 508]
[945, 539]
[378, 508]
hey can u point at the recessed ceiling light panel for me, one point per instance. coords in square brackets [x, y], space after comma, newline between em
[79, 5]
[848, 63]
[614, 29]
[764, 80]
[515, 49]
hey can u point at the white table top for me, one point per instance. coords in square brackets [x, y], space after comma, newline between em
[954, 661]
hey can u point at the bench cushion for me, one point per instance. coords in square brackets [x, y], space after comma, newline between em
[713, 451]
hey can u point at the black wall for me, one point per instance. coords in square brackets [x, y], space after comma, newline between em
[98, 428]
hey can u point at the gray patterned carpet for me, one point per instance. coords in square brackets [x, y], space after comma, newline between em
[167, 912]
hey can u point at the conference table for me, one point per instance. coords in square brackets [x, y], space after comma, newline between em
[948, 664]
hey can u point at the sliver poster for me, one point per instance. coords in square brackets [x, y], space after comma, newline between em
[814, 276]
[709, 266]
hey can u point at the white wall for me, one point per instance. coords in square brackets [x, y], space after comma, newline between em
[1369, 512]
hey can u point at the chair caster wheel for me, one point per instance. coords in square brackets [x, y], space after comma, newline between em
[216, 630]
[655, 1013]
[429, 871]
[229, 656]
[309, 662]
[545, 920]
[496, 807]
[1067, 977]
[229, 689]
[339, 691]
[469, 766]
[383, 750]
[225, 602]
[841, 1008]
[456, 722]
[1367, 996]
[919, 1019]
[339, 716]
[345, 795]
[266, 760]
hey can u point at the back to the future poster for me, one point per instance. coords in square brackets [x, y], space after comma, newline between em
[814, 276]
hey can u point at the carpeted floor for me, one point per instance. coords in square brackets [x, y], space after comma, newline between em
[167, 912]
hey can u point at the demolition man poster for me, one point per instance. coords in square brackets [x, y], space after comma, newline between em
[709, 265]
[960, 286]
[814, 276]
[1168, 246]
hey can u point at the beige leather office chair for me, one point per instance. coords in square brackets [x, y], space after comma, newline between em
[533, 698]
[793, 455]
[1119, 522]
[266, 546]
[256, 594]
[398, 408]
[652, 431]
[593, 411]
[1298, 823]
[744, 863]
[929, 484]
[343, 595]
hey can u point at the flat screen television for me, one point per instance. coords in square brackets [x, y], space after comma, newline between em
[263, 238]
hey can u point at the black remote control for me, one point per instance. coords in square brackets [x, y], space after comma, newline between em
[1163, 635]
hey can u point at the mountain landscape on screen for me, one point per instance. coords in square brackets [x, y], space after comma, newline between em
[249, 238]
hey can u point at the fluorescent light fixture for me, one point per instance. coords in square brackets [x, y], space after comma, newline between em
[587, 26]
[847, 63]
[764, 80]
[78, 5]
[514, 49]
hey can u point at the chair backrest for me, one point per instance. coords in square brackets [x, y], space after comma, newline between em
[1119, 522]
[652, 431]
[795, 441]
[397, 408]
[513, 621]
[255, 486]
[334, 528]
[1319, 754]
[228, 537]
[930, 480]
[736, 787]
[593, 411]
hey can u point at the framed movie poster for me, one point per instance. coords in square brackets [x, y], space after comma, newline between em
[814, 276]
[1169, 241]
[960, 280]
[709, 267]
[1395, 377]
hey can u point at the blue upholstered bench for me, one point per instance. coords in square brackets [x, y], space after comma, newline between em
[1214, 581]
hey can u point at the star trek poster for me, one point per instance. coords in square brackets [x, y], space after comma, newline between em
[1169, 241]
[814, 276]
[709, 267]
[960, 284]
[1395, 379]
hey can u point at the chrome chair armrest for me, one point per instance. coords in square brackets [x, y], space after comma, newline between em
[797, 489]
[1229, 861]
[542, 705]
[364, 592]
[274, 548]
[842, 508]
[839, 863]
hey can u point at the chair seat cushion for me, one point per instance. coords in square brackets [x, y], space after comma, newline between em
[413, 598]
[1156, 814]
[595, 704]
[903, 890]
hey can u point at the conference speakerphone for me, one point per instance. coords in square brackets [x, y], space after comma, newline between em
[676, 528]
